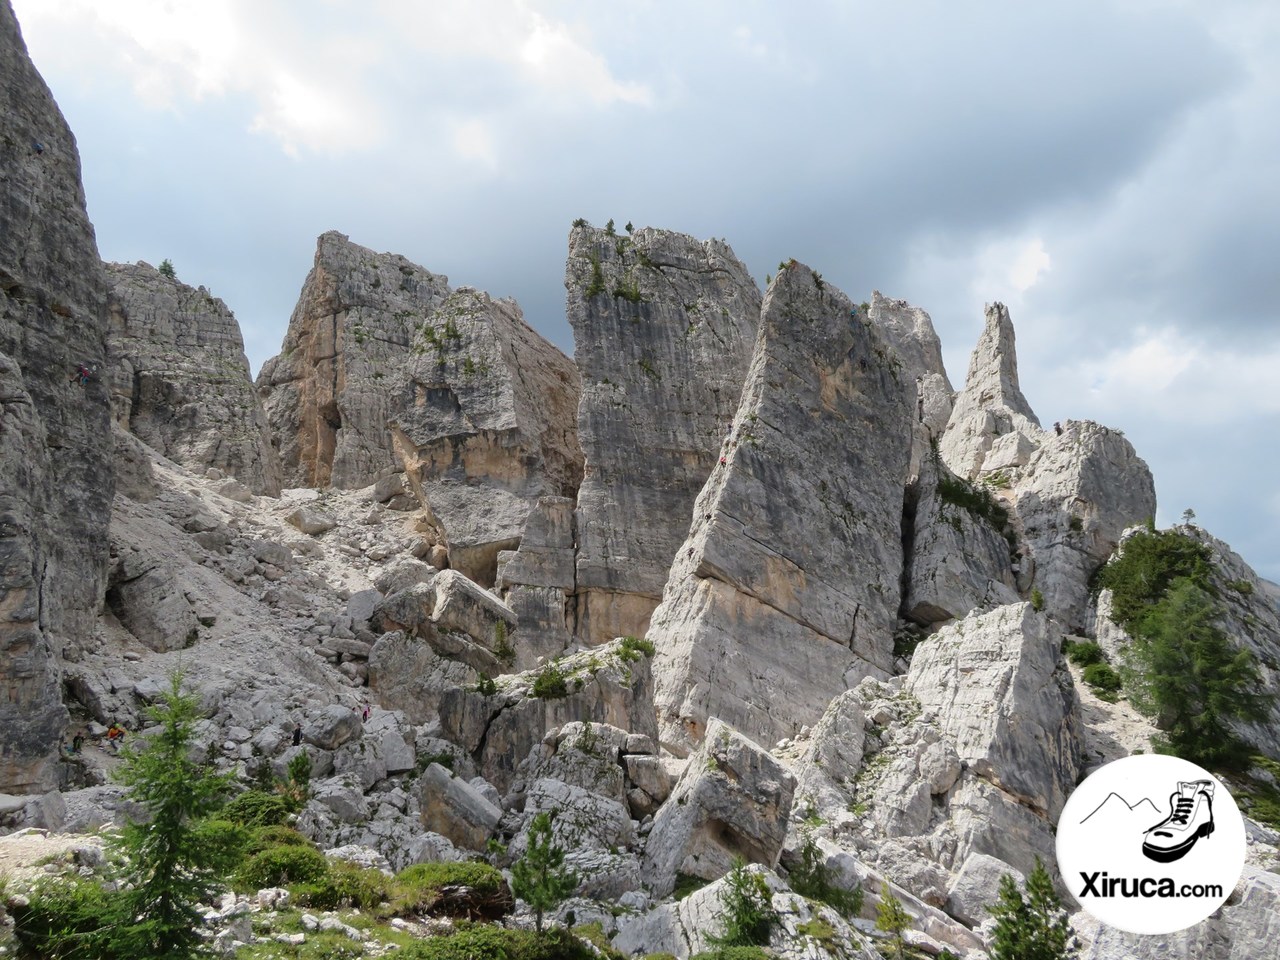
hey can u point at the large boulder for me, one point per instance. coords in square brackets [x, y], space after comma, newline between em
[456, 810]
[538, 579]
[180, 379]
[56, 479]
[997, 689]
[663, 329]
[732, 801]
[786, 591]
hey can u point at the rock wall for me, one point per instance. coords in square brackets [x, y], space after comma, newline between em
[786, 591]
[663, 328]
[486, 426]
[180, 379]
[327, 394]
[56, 447]
[384, 367]
[1076, 495]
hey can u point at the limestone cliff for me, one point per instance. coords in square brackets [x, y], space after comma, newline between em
[55, 438]
[663, 329]
[326, 394]
[786, 590]
[180, 380]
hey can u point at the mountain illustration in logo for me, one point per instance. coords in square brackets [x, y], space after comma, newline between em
[1117, 810]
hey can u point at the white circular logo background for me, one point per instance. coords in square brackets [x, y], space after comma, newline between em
[1150, 844]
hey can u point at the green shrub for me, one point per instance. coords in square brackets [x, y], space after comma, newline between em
[550, 684]
[687, 883]
[70, 919]
[1103, 679]
[278, 866]
[1141, 575]
[811, 878]
[976, 500]
[257, 808]
[344, 885]
[450, 889]
[1031, 927]
[486, 942]
[732, 953]
[486, 687]
[264, 838]
[1037, 599]
[539, 878]
[166, 269]
[1084, 652]
[893, 919]
[633, 648]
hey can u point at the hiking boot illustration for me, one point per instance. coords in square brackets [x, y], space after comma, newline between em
[1191, 818]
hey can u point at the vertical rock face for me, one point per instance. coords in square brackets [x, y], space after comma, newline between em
[56, 482]
[999, 693]
[959, 559]
[327, 395]
[1075, 497]
[486, 426]
[663, 326]
[180, 380]
[991, 405]
[385, 367]
[910, 331]
[537, 581]
[786, 591]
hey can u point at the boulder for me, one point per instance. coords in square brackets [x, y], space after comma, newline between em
[407, 674]
[334, 726]
[466, 607]
[311, 522]
[454, 809]
[580, 818]
[786, 591]
[342, 796]
[403, 573]
[733, 800]
[180, 379]
[663, 328]
[997, 689]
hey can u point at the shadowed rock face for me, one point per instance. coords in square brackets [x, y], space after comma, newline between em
[384, 367]
[786, 591]
[180, 380]
[56, 480]
[663, 328]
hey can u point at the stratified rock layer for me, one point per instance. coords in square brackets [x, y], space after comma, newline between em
[663, 328]
[786, 591]
[56, 447]
[180, 379]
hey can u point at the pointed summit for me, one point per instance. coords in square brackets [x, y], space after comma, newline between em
[993, 366]
[992, 426]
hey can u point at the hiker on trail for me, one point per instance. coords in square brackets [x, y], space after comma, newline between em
[1057, 428]
[77, 742]
[297, 734]
[364, 714]
[115, 736]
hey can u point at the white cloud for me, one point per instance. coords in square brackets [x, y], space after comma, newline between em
[473, 140]
[175, 53]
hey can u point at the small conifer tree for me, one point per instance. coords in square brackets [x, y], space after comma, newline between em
[166, 269]
[1033, 927]
[174, 862]
[749, 916]
[539, 878]
[892, 919]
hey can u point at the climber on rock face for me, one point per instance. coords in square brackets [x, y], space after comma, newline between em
[81, 375]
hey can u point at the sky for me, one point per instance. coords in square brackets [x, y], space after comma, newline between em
[1109, 169]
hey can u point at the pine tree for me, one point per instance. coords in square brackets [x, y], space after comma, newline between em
[174, 858]
[539, 878]
[1033, 927]
[1183, 670]
[166, 269]
[892, 919]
